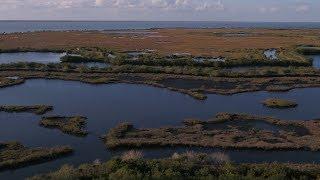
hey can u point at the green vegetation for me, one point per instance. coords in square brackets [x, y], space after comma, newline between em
[236, 131]
[263, 71]
[287, 57]
[183, 166]
[14, 155]
[279, 103]
[78, 59]
[36, 109]
[69, 125]
[154, 60]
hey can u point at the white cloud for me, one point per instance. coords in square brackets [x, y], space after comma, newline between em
[269, 9]
[198, 5]
[99, 2]
[302, 8]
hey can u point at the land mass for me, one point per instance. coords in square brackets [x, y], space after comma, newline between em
[229, 131]
[36, 109]
[182, 166]
[14, 155]
[279, 103]
[69, 125]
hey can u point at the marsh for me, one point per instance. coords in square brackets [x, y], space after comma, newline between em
[145, 107]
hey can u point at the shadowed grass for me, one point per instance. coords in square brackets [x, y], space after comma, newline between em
[14, 155]
[229, 131]
[183, 166]
[36, 109]
[69, 125]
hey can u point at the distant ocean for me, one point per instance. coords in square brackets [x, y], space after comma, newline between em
[25, 26]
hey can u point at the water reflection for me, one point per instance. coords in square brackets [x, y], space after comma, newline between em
[144, 106]
[38, 57]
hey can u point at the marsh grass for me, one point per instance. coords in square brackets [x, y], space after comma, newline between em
[279, 103]
[183, 166]
[69, 125]
[131, 155]
[36, 109]
[232, 131]
[14, 155]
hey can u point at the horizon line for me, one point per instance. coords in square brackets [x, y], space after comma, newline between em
[231, 21]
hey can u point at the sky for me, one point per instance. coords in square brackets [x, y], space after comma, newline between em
[162, 10]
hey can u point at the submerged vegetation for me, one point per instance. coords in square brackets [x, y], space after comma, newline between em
[69, 125]
[236, 131]
[14, 155]
[182, 166]
[279, 103]
[36, 109]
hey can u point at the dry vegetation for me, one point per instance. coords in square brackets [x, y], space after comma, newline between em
[225, 131]
[36, 109]
[68, 125]
[5, 82]
[230, 43]
[279, 103]
[14, 155]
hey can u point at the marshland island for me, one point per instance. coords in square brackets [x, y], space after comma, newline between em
[220, 103]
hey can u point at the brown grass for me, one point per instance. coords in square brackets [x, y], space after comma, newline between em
[279, 103]
[68, 125]
[225, 131]
[132, 155]
[14, 155]
[36, 109]
[204, 42]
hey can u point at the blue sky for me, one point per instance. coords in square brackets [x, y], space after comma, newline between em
[208, 10]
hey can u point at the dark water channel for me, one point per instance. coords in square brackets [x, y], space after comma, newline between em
[144, 106]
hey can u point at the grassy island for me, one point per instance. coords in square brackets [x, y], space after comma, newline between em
[36, 109]
[229, 131]
[279, 103]
[182, 166]
[14, 155]
[69, 125]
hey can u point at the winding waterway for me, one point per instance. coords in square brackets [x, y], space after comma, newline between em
[144, 106]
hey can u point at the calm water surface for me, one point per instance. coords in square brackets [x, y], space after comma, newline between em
[316, 61]
[144, 106]
[38, 57]
[25, 26]
[92, 64]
